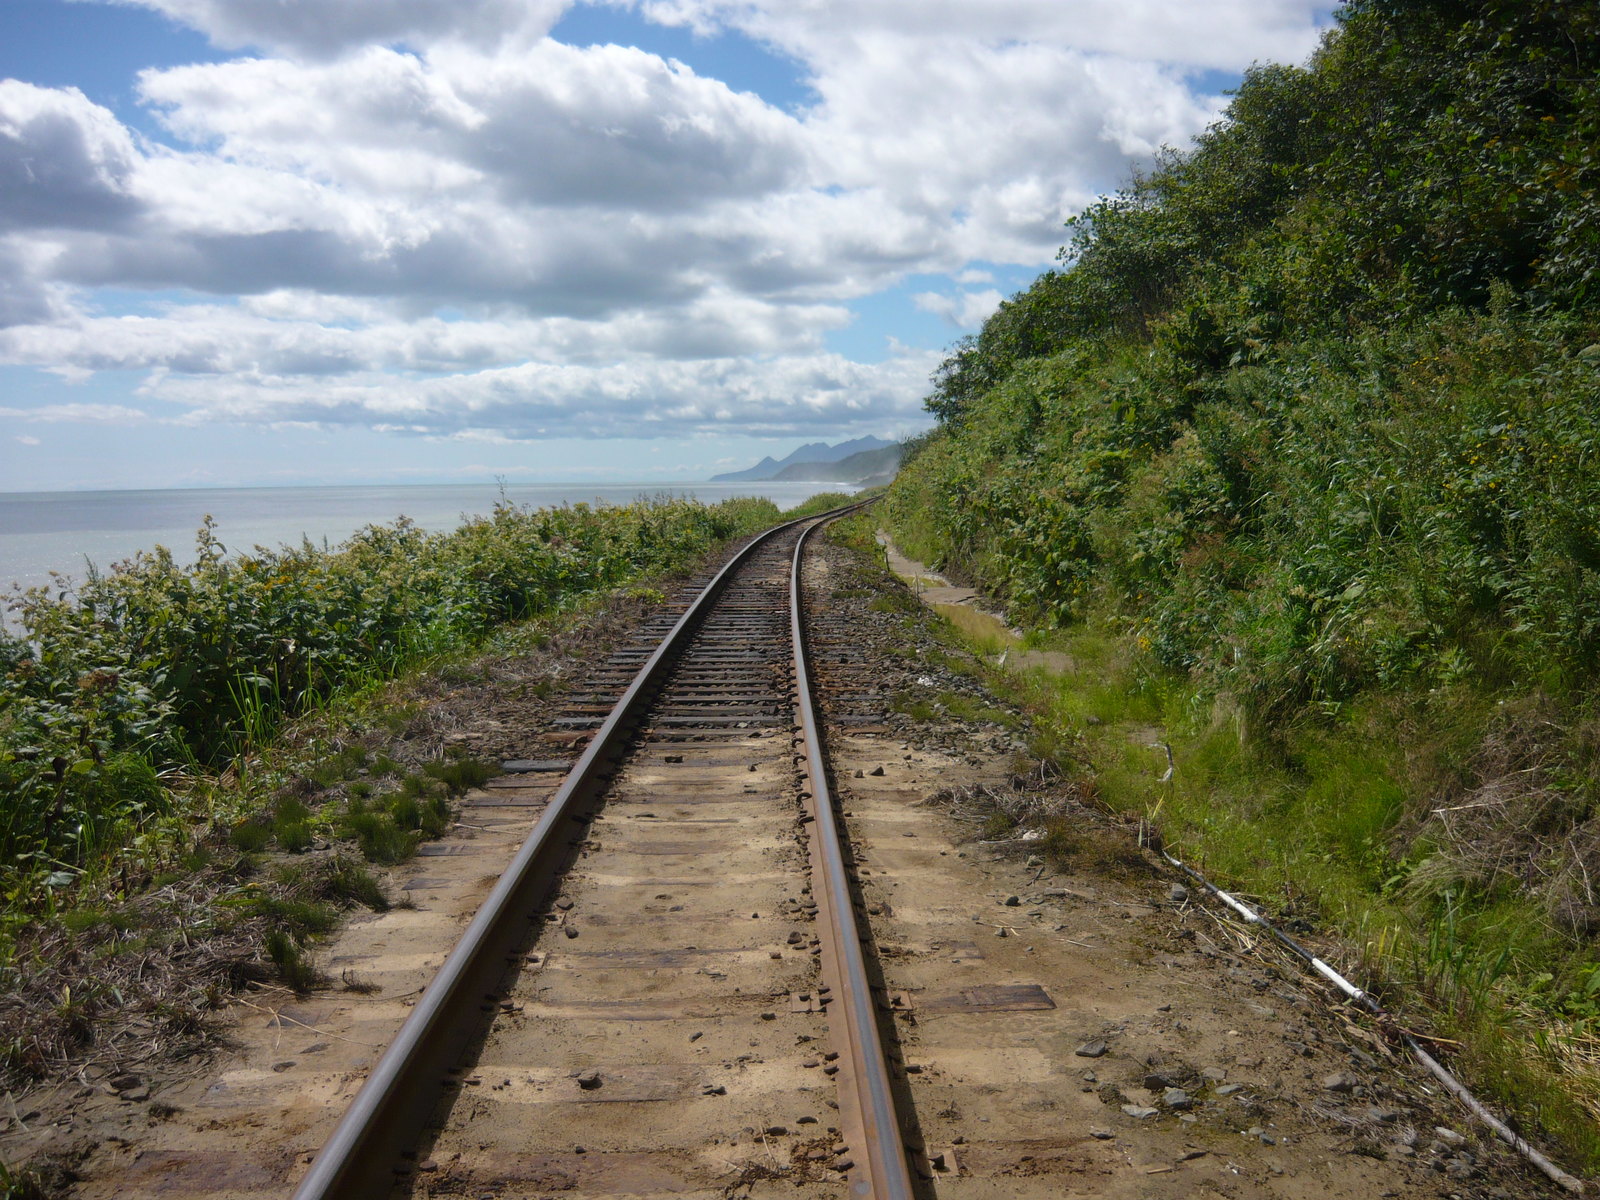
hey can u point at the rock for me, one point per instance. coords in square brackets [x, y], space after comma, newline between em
[860, 774]
[1012, 901]
[135, 1095]
[1384, 1116]
[1156, 1082]
[1177, 1099]
[1177, 893]
[1094, 1049]
[1450, 1136]
[571, 932]
[1139, 1111]
[589, 1080]
[713, 1089]
[124, 1082]
[777, 1130]
[1229, 1089]
[1215, 1074]
[875, 771]
[1339, 1081]
[1101, 1135]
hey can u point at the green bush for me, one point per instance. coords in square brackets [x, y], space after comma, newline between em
[153, 667]
[1306, 424]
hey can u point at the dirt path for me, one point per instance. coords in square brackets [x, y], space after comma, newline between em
[1181, 1056]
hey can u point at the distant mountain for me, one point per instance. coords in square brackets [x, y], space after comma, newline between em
[813, 452]
[863, 467]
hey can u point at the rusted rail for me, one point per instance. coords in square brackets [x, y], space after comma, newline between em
[380, 1131]
[867, 1114]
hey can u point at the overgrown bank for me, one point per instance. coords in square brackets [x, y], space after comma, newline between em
[201, 767]
[1296, 457]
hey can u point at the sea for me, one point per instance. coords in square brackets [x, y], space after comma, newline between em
[63, 532]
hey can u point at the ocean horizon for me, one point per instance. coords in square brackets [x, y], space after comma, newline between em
[64, 532]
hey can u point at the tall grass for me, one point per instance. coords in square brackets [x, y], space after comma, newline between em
[154, 668]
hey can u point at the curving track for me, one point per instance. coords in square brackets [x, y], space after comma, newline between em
[697, 998]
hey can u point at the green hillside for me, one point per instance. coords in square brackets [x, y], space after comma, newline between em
[1302, 444]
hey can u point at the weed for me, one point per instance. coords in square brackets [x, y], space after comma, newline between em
[895, 600]
[350, 881]
[294, 836]
[914, 707]
[251, 837]
[291, 825]
[462, 774]
[998, 826]
[380, 836]
[294, 968]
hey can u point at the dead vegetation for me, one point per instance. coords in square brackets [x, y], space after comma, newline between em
[1521, 814]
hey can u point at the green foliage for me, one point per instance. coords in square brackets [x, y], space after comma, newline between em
[1307, 421]
[294, 968]
[154, 668]
[820, 503]
[351, 881]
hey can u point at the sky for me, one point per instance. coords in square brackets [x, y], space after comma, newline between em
[280, 242]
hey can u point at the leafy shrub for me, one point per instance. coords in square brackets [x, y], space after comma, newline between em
[155, 666]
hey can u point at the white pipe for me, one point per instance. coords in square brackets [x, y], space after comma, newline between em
[1456, 1088]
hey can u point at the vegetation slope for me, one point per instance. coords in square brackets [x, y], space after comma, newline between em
[1302, 439]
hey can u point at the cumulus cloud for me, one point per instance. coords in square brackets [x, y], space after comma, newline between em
[788, 396]
[429, 216]
[324, 28]
[1227, 34]
[548, 124]
[286, 334]
[967, 310]
[65, 162]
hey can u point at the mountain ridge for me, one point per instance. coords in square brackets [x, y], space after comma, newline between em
[811, 452]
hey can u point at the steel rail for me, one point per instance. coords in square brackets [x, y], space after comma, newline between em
[381, 1127]
[869, 1125]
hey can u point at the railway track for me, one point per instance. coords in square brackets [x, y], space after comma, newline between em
[694, 940]
[682, 992]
